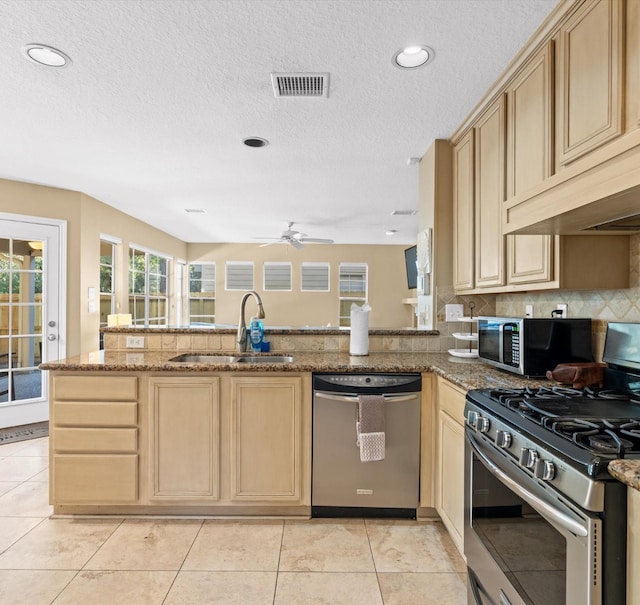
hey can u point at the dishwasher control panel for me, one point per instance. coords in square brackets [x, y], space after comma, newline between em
[390, 383]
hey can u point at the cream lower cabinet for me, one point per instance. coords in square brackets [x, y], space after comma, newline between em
[267, 441]
[94, 440]
[633, 546]
[184, 439]
[449, 472]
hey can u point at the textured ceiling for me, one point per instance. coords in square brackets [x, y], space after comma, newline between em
[151, 115]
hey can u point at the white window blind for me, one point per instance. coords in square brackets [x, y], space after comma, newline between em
[353, 280]
[314, 277]
[277, 276]
[238, 275]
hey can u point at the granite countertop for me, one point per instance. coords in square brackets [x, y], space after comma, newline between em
[466, 373]
[626, 471]
[278, 330]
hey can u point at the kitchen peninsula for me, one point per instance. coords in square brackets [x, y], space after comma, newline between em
[133, 432]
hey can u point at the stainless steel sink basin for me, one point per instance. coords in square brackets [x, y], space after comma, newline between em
[240, 358]
[188, 358]
[264, 359]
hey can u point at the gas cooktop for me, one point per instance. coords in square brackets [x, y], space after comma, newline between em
[601, 421]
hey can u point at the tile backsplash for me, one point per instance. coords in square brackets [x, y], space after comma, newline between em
[601, 305]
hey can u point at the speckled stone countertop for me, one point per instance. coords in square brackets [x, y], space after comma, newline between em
[627, 471]
[312, 330]
[466, 373]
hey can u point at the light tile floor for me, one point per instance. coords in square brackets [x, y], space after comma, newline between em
[176, 562]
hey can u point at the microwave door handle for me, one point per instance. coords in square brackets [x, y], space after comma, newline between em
[501, 343]
[540, 505]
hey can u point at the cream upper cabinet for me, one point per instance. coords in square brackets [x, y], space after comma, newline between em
[184, 439]
[530, 160]
[490, 195]
[268, 460]
[463, 213]
[450, 459]
[590, 79]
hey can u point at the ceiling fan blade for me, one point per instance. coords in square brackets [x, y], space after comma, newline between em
[315, 240]
[296, 243]
[267, 244]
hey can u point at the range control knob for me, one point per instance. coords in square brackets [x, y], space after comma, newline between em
[503, 439]
[545, 470]
[483, 424]
[472, 419]
[528, 457]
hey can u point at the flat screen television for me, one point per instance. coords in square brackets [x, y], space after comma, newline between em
[411, 264]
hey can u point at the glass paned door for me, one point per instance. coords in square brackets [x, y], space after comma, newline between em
[29, 325]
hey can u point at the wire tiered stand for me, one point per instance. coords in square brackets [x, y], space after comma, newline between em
[469, 337]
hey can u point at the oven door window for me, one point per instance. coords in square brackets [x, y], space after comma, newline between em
[528, 549]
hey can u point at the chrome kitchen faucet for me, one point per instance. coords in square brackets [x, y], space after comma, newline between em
[241, 339]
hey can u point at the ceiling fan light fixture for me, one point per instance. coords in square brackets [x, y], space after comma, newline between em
[48, 56]
[412, 57]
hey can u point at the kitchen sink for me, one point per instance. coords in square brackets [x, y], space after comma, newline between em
[240, 358]
[264, 359]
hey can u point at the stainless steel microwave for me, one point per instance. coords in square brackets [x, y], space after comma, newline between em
[531, 346]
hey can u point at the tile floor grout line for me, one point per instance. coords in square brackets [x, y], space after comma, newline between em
[65, 587]
[275, 586]
[183, 560]
[42, 520]
[84, 566]
[373, 558]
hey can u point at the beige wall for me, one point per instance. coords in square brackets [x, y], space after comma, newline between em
[387, 283]
[86, 219]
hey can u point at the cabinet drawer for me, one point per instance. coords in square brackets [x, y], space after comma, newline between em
[95, 479]
[123, 441]
[95, 388]
[95, 414]
[451, 400]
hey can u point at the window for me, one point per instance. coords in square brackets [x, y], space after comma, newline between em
[277, 276]
[107, 280]
[239, 275]
[353, 289]
[148, 292]
[202, 293]
[314, 277]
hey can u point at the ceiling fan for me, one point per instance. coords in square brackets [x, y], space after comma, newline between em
[295, 238]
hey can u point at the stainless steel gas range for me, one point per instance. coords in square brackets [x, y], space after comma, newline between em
[545, 523]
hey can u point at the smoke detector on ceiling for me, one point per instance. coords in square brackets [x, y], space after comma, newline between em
[300, 85]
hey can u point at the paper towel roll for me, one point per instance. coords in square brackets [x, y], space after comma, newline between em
[359, 338]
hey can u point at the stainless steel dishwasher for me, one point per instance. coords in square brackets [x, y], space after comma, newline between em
[344, 486]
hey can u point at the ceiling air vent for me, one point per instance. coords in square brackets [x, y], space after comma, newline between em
[314, 85]
[404, 213]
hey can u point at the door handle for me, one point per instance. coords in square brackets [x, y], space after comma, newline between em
[51, 337]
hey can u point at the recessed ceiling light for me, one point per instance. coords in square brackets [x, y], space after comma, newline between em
[255, 142]
[412, 57]
[195, 211]
[46, 55]
[391, 232]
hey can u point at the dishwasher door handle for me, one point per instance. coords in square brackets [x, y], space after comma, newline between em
[354, 398]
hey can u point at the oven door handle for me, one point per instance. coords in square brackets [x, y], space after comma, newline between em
[354, 398]
[534, 501]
